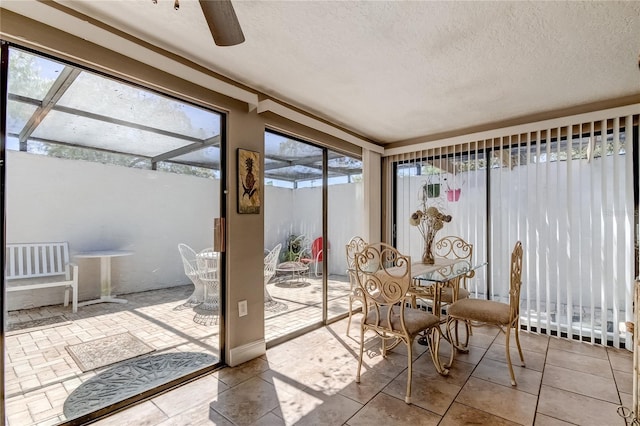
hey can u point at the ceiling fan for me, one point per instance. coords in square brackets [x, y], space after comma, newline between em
[222, 20]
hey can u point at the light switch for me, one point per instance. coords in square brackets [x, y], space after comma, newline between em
[242, 308]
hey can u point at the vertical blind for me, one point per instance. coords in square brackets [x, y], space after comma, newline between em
[566, 192]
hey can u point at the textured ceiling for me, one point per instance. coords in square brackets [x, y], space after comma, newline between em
[396, 70]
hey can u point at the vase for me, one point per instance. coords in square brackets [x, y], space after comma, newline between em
[427, 252]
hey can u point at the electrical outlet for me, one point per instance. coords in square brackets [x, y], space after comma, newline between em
[242, 308]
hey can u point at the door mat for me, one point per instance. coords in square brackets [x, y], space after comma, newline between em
[131, 378]
[36, 324]
[108, 350]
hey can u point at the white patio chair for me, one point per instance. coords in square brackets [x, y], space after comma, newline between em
[208, 262]
[270, 262]
[188, 256]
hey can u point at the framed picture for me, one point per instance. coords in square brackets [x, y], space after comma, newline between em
[249, 182]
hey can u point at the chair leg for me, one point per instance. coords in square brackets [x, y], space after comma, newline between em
[267, 296]
[513, 377]
[468, 332]
[433, 337]
[384, 345]
[517, 331]
[407, 398]
[350, 314]
[74, 300]
[66, 296]
[451, 339]
[453, 335]
[361, 354]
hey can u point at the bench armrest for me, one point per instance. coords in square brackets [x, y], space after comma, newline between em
[68, 273]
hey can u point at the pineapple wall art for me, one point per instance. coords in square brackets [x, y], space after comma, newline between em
[249, 182]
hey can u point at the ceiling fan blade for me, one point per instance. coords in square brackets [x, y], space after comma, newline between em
[222, 21]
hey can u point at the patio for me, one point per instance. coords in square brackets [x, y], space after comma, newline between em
[41, 374]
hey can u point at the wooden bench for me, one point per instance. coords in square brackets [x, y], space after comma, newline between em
[45, 265]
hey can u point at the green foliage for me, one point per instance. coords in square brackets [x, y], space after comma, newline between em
[294, 248]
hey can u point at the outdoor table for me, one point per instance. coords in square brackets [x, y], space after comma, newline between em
[297, 270]
[105, 257]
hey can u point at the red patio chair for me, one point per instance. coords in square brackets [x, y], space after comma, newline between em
[316, 255]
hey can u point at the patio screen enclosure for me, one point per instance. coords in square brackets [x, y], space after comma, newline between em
[567, 191]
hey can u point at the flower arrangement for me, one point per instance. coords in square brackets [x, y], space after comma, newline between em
[428, 221]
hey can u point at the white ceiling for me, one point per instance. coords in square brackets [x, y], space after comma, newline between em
[395, 70]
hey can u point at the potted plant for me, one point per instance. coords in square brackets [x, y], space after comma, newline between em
[430, 189]
[294, 248]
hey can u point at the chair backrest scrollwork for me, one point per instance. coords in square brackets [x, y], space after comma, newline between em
[515, 282]
[384, 277]
[355, 245]
[452, 247]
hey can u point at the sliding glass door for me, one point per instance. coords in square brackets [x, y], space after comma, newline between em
[345, 219]
[568, 193]
[129, 180]
[313, 206]
[294, 222]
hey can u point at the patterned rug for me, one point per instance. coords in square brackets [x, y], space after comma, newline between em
[132, 377]
[36, 324]
[108, 350]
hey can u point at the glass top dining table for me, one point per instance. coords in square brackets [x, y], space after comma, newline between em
[429, 280]
[443, 270]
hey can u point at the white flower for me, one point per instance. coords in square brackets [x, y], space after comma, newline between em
[416, 218]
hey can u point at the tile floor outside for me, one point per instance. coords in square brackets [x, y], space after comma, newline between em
[310, 380]
[40, 374]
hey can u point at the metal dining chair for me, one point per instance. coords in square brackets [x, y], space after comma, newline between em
[384, 276]
[491, 312]
[453, 248]
[355, 245]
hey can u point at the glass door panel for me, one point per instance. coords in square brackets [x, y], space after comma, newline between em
[293, 223]
[345, 220]
[130, 180]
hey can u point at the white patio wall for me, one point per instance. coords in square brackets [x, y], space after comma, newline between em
[99, 207]
[299, 211]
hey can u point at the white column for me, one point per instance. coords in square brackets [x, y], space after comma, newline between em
[371, 175]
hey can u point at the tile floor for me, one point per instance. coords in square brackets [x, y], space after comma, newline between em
[299, 303]
[310, 380]
[40, 374]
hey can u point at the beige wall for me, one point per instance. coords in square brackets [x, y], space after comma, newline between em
[245, 129]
